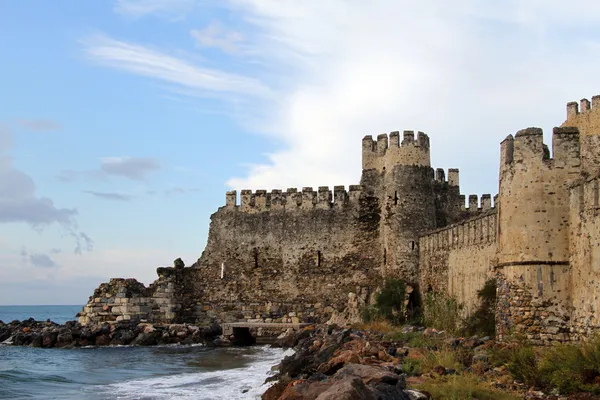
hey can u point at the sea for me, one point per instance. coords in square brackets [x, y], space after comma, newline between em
[128, 372]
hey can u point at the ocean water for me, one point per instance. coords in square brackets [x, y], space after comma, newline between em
[162, 372]
[58, 314]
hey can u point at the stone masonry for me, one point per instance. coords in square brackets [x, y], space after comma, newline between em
[307, 255]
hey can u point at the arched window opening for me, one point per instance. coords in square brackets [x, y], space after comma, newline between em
[384, 256]
[412, 244]
[318, 258]
[255, 258]
[396, 198]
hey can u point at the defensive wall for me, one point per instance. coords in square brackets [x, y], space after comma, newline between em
[457, 260]
[584, 243]
[308, 255]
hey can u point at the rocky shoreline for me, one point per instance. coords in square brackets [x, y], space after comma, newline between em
[333, 363]
[72, 334]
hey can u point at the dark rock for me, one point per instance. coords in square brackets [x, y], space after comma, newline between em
[49, 339]
[147, 339]
[389, 392]
[37, 341]
[440, 370]
[64, 339]
[103, 340]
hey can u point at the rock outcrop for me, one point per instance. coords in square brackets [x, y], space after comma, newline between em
[72, 334]
[332, 363]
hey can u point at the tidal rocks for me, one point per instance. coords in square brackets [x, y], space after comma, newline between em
[331, 363]
[72, 334]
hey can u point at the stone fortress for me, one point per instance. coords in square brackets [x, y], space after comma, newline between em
[312, 256]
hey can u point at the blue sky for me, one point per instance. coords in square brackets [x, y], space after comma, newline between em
[123, 122]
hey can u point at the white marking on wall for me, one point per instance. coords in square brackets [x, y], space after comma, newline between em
[222, 270]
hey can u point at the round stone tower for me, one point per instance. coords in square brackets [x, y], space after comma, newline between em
[533, 233]
[399, 174]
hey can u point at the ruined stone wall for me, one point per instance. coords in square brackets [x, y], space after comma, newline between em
[459, 259]
[534, 279]
[286, 257]
[585, 257]
[129, 300]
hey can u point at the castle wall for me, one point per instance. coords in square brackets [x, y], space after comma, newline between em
[585, 257]
[459, 259]
[534, 278]
[286, 257]
[585, 116]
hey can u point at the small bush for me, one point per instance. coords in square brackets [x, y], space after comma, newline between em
[572, 367]
[483, 320]
[444, 357]
[442, 312]
[459, 387]
[389, 304]
[390, 301]
[523, 365]
[377, 325]
[411, 366]
[413, 339]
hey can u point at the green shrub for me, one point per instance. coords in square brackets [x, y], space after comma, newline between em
[442, 312]
[390, 301]
[523, 365]
[460, 387]
[483, 320]
[572, 367]
[389, 304]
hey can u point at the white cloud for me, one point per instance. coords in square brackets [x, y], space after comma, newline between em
[467, 73]
[159, 65]
[174, 9]
[135, 168]
[214, 35]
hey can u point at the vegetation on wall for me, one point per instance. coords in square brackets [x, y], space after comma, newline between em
[389, 303]
[483, 320]
[442, 312]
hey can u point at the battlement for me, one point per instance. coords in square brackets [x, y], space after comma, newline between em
[388, 151]
[292, 198]
[528, 146]
[479, 230]
[474, 204]
[453, 179]
[574, 109]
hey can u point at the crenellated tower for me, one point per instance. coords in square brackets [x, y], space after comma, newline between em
[533, 232]
[399, 174]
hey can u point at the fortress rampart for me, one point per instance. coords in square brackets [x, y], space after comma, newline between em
[458, 259]
[310, 255]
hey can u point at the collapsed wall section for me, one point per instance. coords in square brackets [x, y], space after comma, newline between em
[459, 259]
[286, 257]
[129, 300]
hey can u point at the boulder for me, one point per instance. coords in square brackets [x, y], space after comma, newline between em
[349, 388]
[369, 374]
[337, 362]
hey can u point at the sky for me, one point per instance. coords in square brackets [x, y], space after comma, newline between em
[123, 122]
